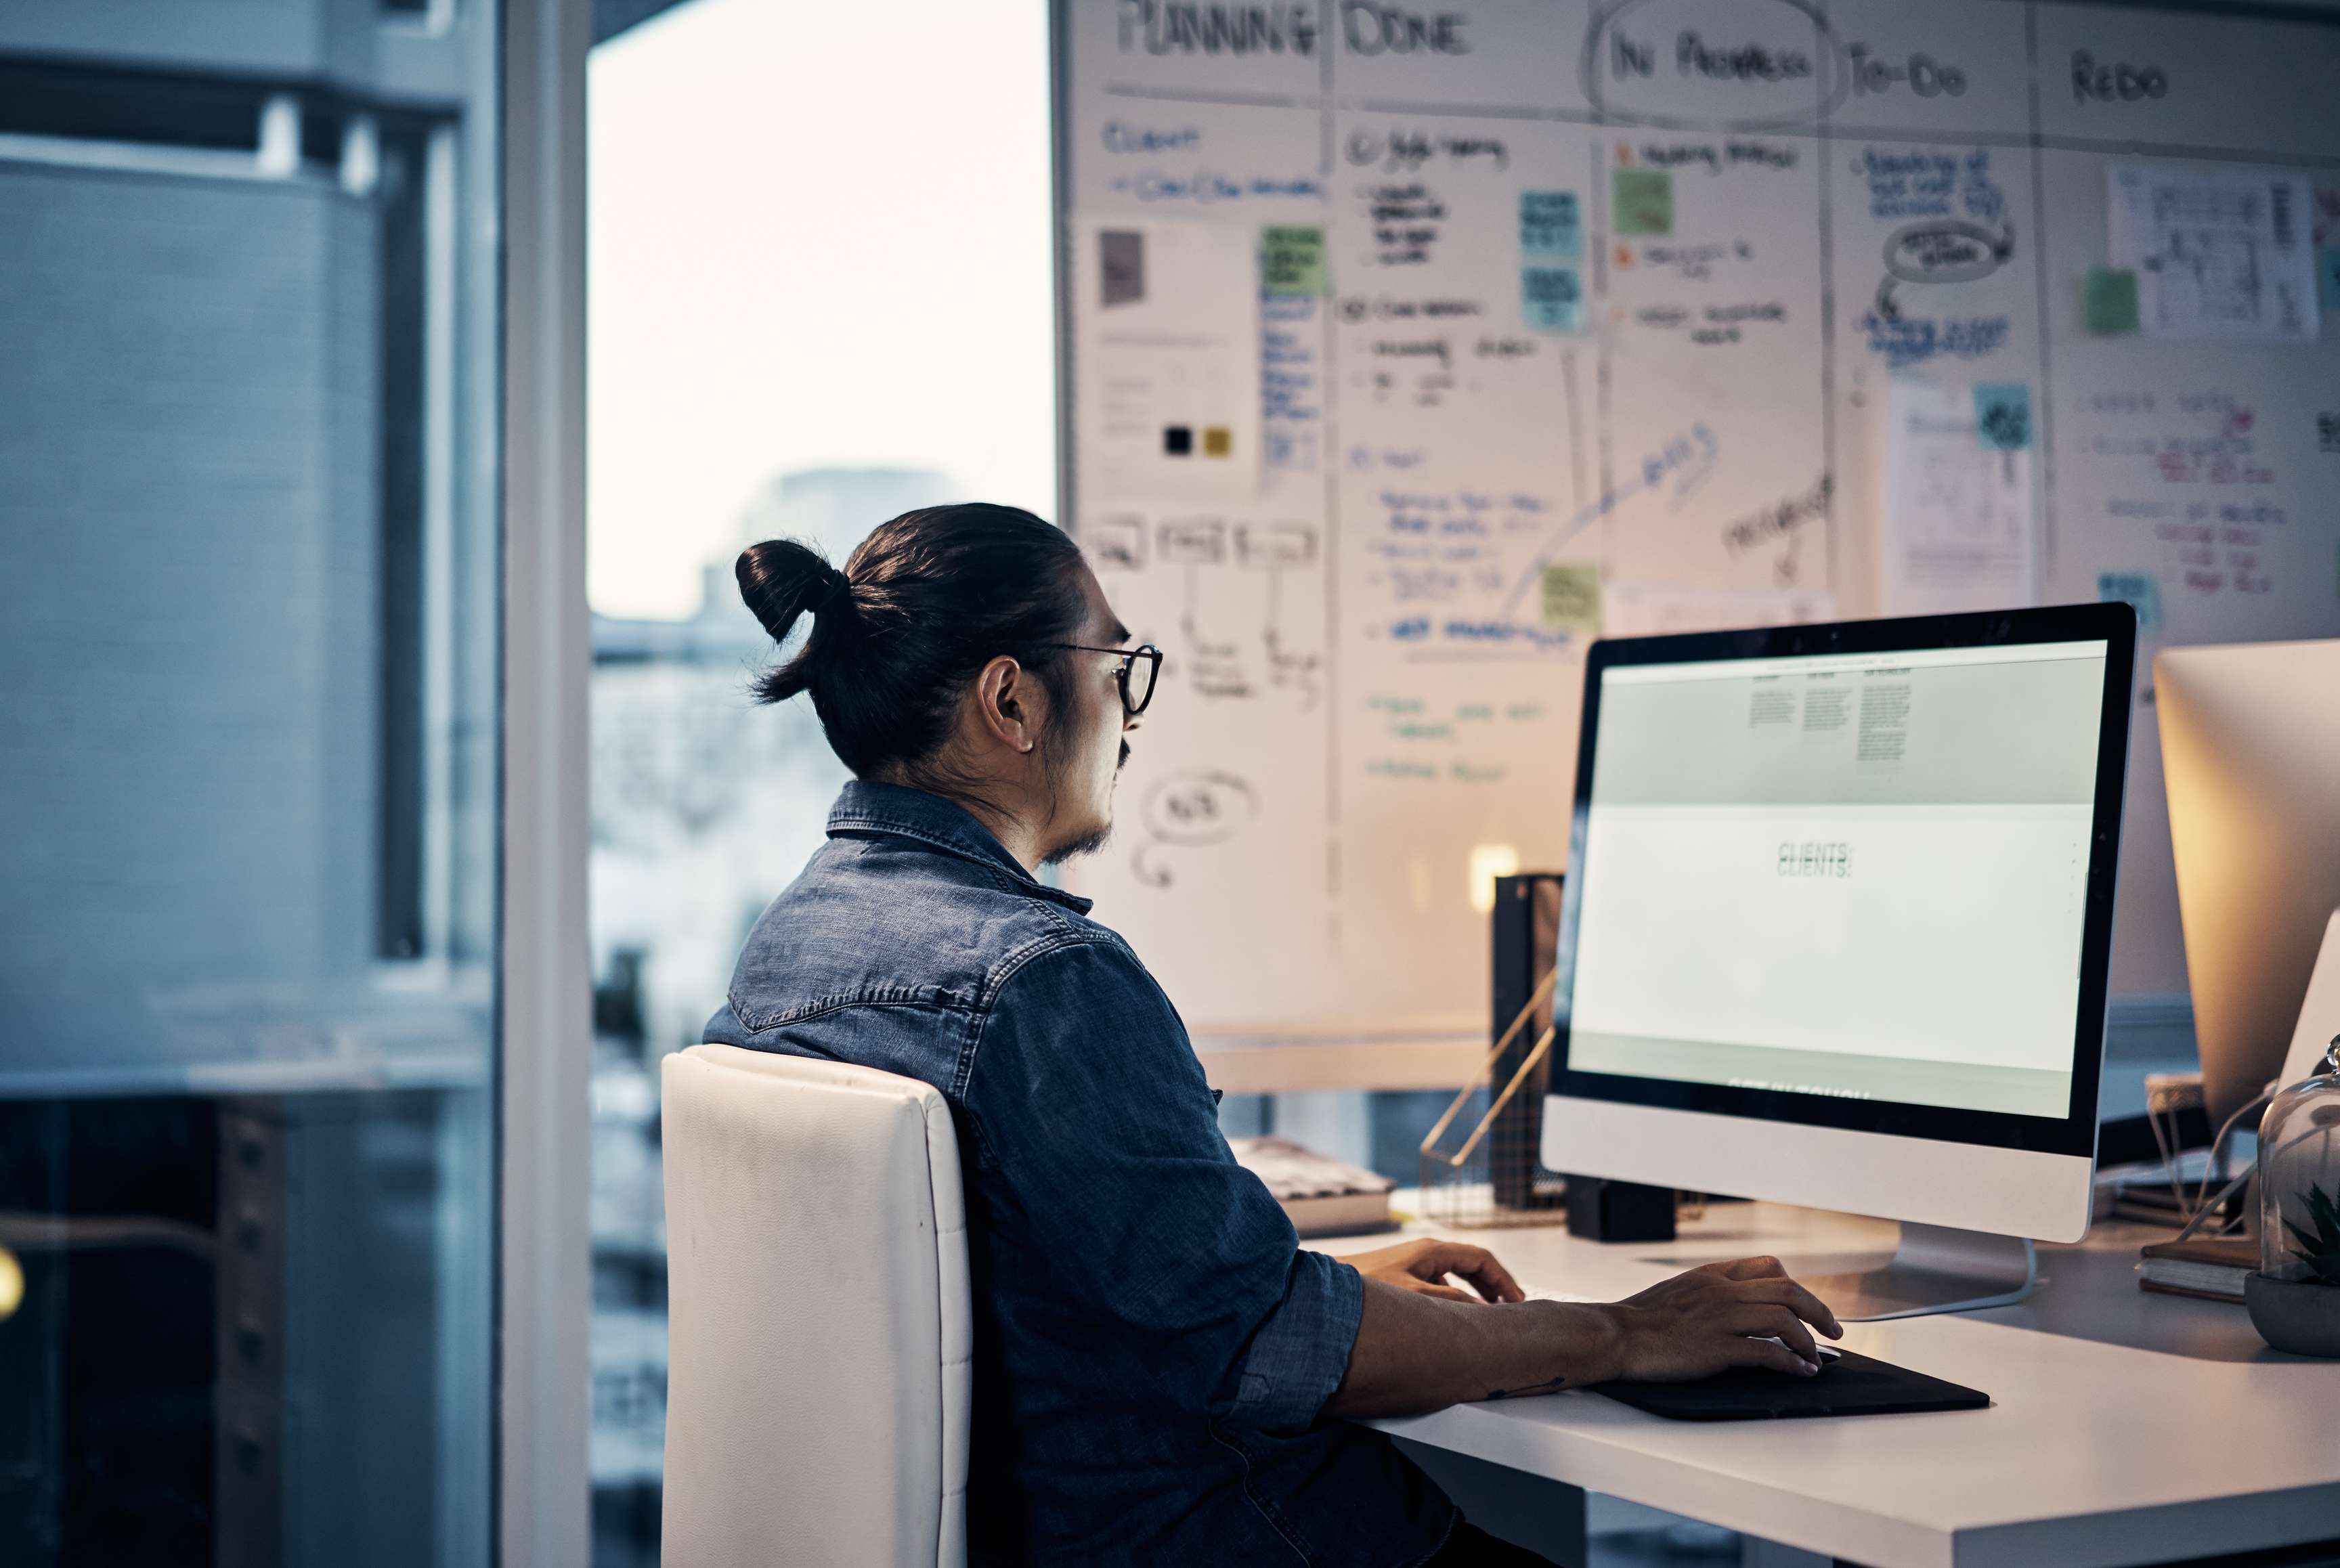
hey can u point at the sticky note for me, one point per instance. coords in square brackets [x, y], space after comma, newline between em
[1218, 441]
[2138, 588]
[2109, 302]
[1550, 224]
[2327, 276]
[1643, 202]
[1552, 299]
[1291, 260]
[1572, 596]
[2003, 415]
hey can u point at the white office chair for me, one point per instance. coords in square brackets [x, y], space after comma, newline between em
[816, 1315]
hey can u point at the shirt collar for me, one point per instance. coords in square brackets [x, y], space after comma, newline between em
[865, 807]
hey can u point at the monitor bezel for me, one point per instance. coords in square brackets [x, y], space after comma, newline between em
[2075, 1133]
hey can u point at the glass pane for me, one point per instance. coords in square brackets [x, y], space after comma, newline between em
[820, 298]
[248, 556]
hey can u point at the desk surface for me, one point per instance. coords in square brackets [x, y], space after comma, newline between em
[2127, 1427]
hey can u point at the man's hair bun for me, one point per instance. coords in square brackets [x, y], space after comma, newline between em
[780, 580]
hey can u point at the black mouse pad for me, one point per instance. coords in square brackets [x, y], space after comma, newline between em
[1849, 1386]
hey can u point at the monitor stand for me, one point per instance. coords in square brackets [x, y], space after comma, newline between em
[1936, 1269]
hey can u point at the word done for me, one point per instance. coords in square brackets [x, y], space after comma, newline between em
[1370, 29]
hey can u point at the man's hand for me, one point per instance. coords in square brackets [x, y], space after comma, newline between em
[1416, 1352]
[1421, 1266]
[1698, 1324]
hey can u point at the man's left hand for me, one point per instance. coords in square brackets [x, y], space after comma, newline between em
[1422, 1264]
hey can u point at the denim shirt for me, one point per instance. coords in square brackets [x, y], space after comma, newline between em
[1153, 1351]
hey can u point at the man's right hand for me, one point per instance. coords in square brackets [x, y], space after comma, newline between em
[1713, 1317]
[1414, 1351]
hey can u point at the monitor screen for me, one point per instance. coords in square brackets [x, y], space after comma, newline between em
[1862, 876]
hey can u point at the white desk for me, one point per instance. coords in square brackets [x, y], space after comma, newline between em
[2125, 1427]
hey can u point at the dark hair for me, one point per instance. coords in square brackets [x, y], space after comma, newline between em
[922, 605]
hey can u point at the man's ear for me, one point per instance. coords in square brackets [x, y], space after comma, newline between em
[1007, 704]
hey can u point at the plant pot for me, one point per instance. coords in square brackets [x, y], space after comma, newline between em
[2300, 1316]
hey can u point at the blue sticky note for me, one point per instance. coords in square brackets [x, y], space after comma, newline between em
[2327, 270]
[2003, 415]
[1552, 299]
[1550, 224]
[2138, 588]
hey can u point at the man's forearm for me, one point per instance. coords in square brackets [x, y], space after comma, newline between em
[1416, 1352]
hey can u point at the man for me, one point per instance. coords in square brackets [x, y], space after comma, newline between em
[1159, 1370]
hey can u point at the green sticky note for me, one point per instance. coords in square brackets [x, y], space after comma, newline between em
[1291, 259]
[2109, 302]
[1643, 200]
[1572, 596]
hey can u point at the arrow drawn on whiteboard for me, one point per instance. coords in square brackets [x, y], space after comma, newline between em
[1686, 459]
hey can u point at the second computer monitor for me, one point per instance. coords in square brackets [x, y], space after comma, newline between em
[1838, 915]
[2250, 747]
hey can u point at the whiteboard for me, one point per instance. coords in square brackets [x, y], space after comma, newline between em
[1568, 318]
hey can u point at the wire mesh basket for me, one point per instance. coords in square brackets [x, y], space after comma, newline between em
[1483, 1169]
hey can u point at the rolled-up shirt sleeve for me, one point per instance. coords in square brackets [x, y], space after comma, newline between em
[1300, 1352]
[1169, 1267]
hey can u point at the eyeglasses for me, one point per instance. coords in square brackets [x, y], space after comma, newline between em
[1136, 688]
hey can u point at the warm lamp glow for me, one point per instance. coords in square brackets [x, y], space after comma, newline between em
[1489, 861]
[11, 1284]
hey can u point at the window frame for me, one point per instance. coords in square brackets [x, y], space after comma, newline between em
[544, 1012]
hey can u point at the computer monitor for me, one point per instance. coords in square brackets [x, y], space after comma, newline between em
[1837, 916]
[2250, 747]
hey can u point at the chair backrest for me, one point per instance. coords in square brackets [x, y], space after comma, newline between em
[816, 1315]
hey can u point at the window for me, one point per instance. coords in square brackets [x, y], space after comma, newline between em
[820, 266]
[248, 599]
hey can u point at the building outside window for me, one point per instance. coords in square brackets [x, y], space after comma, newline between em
[249, 589]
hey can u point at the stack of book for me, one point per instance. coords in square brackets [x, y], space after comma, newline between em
[2154, 1202]
[2205, 1266]
[1321, 1196]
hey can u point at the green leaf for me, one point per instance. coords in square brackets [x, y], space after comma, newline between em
[2329, 1231]
[2327, 1212]
[2319, 1249]
[2326, 1216]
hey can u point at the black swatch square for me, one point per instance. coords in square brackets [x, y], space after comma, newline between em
[1178, 441]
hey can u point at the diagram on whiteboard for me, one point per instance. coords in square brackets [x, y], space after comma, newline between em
[1407, 355]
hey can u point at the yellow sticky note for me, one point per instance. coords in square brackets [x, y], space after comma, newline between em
[1572, 596]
